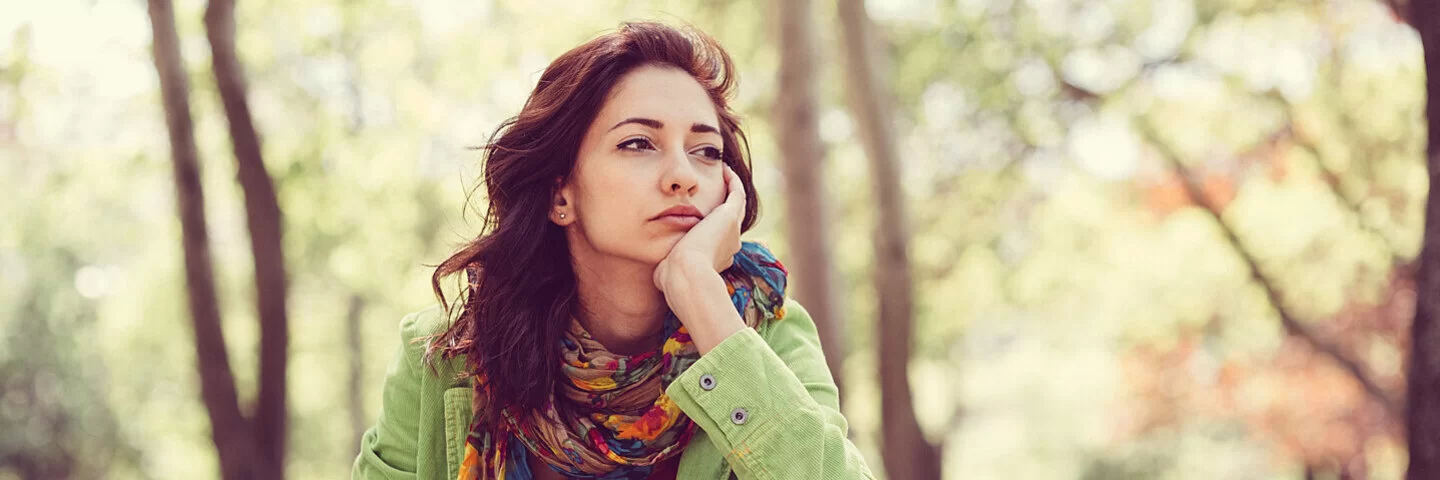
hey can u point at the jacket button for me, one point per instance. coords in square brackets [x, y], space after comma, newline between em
[707, 382]
[739, 416]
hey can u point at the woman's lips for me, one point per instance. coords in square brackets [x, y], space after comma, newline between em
[681, 216]
[678, 221]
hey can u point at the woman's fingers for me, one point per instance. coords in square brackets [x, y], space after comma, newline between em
[736, 194]
[736, 189]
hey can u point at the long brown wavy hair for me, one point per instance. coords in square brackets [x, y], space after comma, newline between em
[521, 289]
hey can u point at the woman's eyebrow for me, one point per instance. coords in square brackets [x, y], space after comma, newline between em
[655, 124]
[658, 125]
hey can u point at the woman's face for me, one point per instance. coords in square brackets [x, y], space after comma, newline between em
[655, 144]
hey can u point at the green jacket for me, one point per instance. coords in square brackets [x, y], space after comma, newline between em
[790, 428]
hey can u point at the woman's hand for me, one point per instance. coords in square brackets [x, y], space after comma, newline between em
[713, 242]
[689, 275]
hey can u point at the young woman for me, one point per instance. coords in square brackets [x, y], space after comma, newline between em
[614, 325]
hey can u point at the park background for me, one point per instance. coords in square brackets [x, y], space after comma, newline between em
[1142, 238]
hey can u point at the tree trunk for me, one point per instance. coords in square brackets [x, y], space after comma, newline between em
[262, 215]
[1423, 398]
[903, 447]
[358, 424]
[228, 427]
[797, 130]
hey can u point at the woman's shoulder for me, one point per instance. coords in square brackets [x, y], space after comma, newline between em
[793, 310]
[424, 322]
[417, 331]
[792, 323]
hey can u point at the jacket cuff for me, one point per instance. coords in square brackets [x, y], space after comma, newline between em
[741, 387]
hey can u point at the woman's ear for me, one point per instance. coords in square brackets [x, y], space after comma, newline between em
[561, 208]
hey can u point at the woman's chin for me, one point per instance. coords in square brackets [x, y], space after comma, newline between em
[660, 247]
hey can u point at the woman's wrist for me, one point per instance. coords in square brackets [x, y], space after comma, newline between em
[697, 295]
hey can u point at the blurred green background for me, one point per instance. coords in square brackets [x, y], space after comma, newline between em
[1077, 315]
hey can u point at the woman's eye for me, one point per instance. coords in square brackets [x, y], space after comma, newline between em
[636, 144]
[709, 152]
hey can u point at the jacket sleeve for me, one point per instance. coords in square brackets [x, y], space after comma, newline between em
[388, 449]
[771, 403]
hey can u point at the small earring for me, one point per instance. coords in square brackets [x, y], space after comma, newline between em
[562, 216]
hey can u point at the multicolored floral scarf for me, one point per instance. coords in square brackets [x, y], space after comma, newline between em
[614, 420]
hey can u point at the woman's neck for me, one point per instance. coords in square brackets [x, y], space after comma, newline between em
[619, 303]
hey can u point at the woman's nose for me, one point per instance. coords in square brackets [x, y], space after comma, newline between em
[680, 175]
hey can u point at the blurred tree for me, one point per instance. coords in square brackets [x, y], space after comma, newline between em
[248, 447]
[358, 422]
[1423, 399]
[807, 203]
[348, 43]
[1056, 70]
[905, 451]
[229, 429]
[1213, 195]
[262, 216]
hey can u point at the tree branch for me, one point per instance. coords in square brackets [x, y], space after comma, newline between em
[1292, 326]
